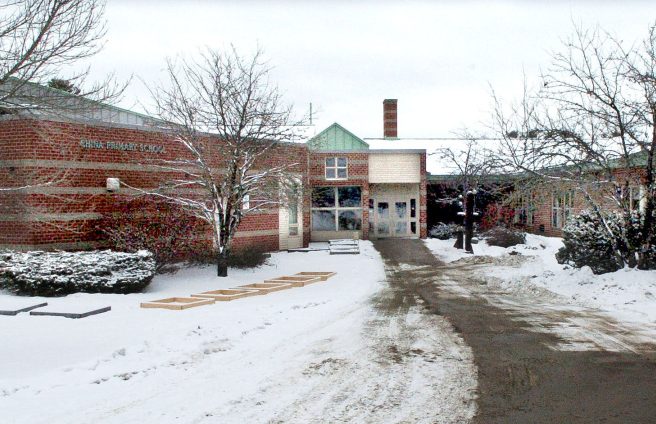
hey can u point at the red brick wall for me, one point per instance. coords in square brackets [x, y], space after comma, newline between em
[542, 216]
[77, 177]
[423, 214]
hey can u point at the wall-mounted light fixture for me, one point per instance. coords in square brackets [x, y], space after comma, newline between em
[113, 184]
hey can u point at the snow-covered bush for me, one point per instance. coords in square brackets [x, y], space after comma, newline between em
[605, 247]
[443, 231]
[587, 243]
[61, 273]
[504, 237]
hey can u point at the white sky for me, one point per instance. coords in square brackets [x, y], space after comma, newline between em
[438, 58]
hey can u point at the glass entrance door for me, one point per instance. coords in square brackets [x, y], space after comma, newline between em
[394, 217]
[383, 219]
[400, 219]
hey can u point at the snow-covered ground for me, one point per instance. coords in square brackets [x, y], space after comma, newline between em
[306, 354]
[628, 294]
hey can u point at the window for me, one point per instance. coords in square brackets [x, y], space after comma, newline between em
[562, 205]
[323, 220]
[349, 220]
[246, 202]
[293, 219]
[323, 197]
[524, 208]
[336, 208]
[635, 197]
[336, 168]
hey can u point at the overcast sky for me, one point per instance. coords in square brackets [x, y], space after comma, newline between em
[438, 59]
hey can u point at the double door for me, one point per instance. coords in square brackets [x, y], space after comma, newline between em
[393, 217]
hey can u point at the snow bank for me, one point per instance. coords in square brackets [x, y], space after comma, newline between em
[131, 364]
[627, 294]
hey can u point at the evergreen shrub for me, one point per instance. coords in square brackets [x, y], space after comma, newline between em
[504, 237]
[587, 243]
[61, 273]
[444, 231]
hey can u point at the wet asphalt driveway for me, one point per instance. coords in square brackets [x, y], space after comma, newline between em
[538, 361]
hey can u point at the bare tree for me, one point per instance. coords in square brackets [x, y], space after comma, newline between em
[231, 122]
[39, 39]
[472, 163]
[591, 120]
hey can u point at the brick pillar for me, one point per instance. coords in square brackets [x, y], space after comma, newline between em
[389, 118]
[423, 210]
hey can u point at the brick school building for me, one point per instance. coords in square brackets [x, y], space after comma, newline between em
[63, 170]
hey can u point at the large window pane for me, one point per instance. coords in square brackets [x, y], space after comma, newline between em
[323, 220]
[323, 197]
[350, 220]
[341, 172]
[293, 214]
[349, 197]
[341, 162]
[330, 162]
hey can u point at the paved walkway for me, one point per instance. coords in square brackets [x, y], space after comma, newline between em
[539, 361]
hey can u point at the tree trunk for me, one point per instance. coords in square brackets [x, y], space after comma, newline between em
[222, 264]
[469, 222]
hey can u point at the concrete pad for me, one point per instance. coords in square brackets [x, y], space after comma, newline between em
[177, 303]
[73, 315]
[14, 309]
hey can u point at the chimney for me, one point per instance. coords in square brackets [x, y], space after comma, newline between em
[389, 118]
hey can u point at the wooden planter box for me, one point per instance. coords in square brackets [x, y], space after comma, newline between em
[177, 303]
[226, 294]
[323, 275]
[296, 280]
[264, 288]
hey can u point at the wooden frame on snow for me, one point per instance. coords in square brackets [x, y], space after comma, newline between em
[296, 280]
[264, 288]
[177, 303]
[224, 295]
[323, 275]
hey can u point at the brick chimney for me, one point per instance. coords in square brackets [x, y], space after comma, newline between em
[389, 118]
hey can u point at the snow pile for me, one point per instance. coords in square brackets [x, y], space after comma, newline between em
[627, 294]
[445, 251]
[61, 273]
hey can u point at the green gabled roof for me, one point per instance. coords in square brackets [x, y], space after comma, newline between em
[336, 137]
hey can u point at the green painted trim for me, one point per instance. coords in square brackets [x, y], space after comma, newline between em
[336, 137]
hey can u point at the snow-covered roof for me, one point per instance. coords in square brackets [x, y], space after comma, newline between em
[39, 100]
[436, 164]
